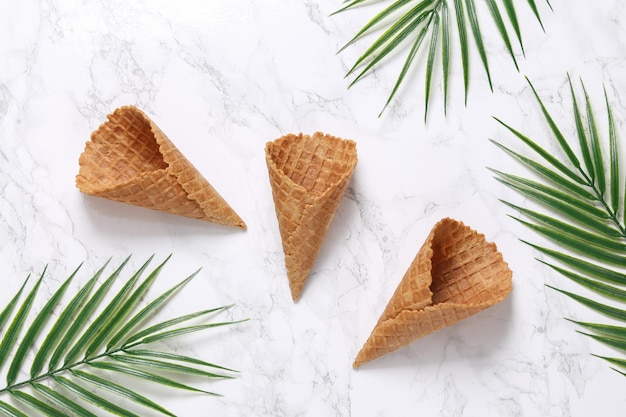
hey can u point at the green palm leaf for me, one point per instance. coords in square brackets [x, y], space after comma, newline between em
[169, 366]
[615, 361]
[37, 404]
[93, 398]
[499, 21]
[62, 324]
[80, 339]
[616, 332]
[80, 315]
[148, 376]
[510, 11]
[120, 390]
[432, 50]
[10, 337]
[6, 312]
[35, 329]
[478, 38]
[407, 22]
[607, 290]
[11, 411]
[62, 401]
[587, 202]
[145, 353]
[146, 311]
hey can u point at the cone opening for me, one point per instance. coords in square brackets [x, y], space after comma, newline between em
[123, 148]
[465, 268]
[314, 163]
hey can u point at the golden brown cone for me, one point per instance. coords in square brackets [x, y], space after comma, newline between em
[455, 274]
[309, 176]
[129, 159]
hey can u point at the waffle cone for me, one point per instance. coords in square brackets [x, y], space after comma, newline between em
[454, 275]
[130, 160]
[309, 176]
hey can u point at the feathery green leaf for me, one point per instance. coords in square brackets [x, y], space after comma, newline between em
[598, 239]
[591, 284]
[144, 353]
[548, 174]
[583, 142]
[544, 154]
[13, 332]
[34, 330]
[117, 320]
[167, 366]
[478, 38]
[572, 212]
[82, 315]
[613, 312]
[397, 17]
[598, 163]
[11, 411]
[555, 130]
[116, 340]
[126, 308]
[62, 324]
[350, 5]
[585, 267]
[409, 58]
[93, 398]
[121, 391]
[615, 161]
[63, 401]
[616, 332]
[182, 331]
[581, 234]
[537, 190]
[568, 241]
[148, 376]
[132, 340]
[614, 361]
[388, 41]
[432, 50]
[38, 405]
[445, 51]
[533, 6]
[377, 19]
[460, 22]
[497, 17]
[6, 312]
[99, 323]
[610, 341]
[510, 11]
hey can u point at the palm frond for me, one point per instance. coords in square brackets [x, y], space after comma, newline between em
[83, 347]
[586, 198]
[408, 22]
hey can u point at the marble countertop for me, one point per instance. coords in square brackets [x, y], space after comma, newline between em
[223, 77]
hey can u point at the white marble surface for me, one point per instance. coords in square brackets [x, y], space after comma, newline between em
[223, 77]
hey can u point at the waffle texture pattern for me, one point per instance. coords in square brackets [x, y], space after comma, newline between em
[454, 275]
[130, 160]
[309, 175]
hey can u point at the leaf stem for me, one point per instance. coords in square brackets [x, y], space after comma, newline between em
[599, 196]
[59, 370]
[112, 351]
[611, 213]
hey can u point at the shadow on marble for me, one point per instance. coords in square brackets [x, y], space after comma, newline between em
[123, 219]
[467, 344]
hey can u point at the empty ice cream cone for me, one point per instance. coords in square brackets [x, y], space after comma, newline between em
[129, 159]
[455, 274]
[309, 176]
